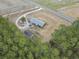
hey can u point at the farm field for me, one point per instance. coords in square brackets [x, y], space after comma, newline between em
[52, 23]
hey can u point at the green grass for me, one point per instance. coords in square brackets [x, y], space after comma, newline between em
[53, 5]
[74, 6]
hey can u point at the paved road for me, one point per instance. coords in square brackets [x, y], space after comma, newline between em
[59, 14]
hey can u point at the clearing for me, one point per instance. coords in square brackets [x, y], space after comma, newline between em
[52, 23]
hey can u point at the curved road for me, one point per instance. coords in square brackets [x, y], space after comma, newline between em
[24, 15]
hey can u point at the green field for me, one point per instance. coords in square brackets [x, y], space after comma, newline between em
[55, 5]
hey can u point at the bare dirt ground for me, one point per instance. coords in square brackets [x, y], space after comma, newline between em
[71, 11]
[52, 23]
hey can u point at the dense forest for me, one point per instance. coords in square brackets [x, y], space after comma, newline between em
[14, 44]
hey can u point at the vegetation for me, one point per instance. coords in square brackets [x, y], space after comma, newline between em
[23, 19]
[67, 39]
[55, 4]
[14, 45]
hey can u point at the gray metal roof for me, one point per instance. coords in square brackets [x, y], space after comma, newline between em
[37, 22]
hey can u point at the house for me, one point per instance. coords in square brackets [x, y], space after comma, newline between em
[37, 22]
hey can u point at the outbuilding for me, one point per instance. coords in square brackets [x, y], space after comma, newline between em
[37, 22]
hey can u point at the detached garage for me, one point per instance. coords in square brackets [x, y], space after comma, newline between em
[37, 22]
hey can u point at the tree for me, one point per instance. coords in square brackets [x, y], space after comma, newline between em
[67, 37]
[14, 44]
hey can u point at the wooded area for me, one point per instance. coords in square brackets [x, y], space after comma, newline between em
[64, 43]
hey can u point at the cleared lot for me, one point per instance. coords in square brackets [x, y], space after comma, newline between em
[52, 23]
[71, 11]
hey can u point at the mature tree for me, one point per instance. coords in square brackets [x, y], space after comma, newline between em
[15, 45]
[67, 37]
